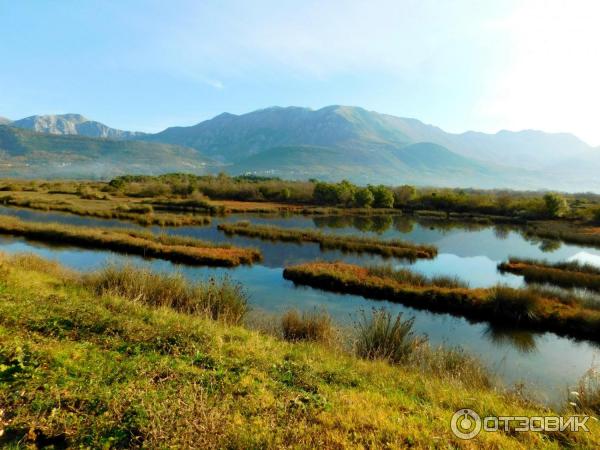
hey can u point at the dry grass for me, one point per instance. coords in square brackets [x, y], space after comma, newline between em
[307, 326]
[530, 308]
[172, 248]
[358, 244]
[218, 300]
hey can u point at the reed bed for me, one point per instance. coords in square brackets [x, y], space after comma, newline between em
[131, 211]
[358, 244]
[529, 308]
[172, 248]
[568, 274]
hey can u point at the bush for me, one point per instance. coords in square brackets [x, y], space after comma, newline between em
[556, 205]
[379, 336]
[308, 326]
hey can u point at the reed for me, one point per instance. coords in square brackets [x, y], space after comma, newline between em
[530, 308]
[358, 244]
[569, 274]
[313, 325]
[215, 299]
[172, 248]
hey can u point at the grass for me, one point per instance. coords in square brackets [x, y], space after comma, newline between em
[172, 248]
[218, 300]
[307, 326]
[109, 208]
[380, 336]
[572, 274]
[83, 370]
[530, 308]
[359, 244]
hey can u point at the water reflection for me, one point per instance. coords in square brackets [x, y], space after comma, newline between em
[471, 251]
[523, 341]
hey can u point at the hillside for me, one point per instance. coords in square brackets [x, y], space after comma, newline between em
[28, 154]
[75, 124]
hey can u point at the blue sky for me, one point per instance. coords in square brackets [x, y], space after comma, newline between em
[145, 65]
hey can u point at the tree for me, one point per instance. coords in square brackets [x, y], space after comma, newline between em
[383, 196]
[556, 205]
[403, 195]
[363, 198]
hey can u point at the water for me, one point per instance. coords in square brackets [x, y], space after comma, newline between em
[547, 364]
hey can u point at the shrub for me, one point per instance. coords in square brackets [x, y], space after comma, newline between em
[379, 336]
[556, 205]
[308, 326]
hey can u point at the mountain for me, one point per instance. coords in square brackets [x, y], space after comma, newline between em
[72, 124]
[24, 153]
[4, 121]
[232, 137]
[365, 146]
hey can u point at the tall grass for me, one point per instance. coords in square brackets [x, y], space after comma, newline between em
[173, 248]
[586, 396]
[307, 326]
[569, 274]
[514, 304]
[406, 276]
[359, 244]
[382, 336]
[217, 299]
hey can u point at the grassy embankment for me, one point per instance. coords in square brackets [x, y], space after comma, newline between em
[530, 308]
[397, 248]
[139, 242]
[113, 360]
[564, 274]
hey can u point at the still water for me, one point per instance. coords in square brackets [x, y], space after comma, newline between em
[545, 363]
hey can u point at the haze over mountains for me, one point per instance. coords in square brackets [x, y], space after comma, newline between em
[329, 143]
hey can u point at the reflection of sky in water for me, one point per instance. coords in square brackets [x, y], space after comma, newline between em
[545, 362]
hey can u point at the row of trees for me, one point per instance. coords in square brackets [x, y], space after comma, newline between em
[347, 194]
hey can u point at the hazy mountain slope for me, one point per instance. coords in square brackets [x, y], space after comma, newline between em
[422, 164]
[232, 138]
[72, 124]
[26, 153]
[4, 121]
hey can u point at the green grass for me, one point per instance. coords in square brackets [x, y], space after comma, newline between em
[172, 248]
[80, 369]
[359, 244]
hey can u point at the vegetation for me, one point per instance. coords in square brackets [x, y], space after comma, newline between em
[397, 248]
[218, 300]
[565, 274]
[382, 337]
[307, 326]
[108, 208]
[84, 370]
[532, 308]
[172, 248]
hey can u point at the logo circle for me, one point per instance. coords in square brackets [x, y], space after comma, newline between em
[465, 424]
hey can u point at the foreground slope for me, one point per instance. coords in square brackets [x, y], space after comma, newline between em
[78, 369]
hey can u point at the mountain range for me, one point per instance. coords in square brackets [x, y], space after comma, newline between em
[291, 142]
